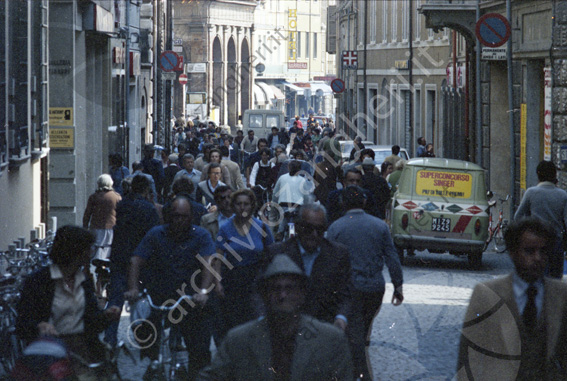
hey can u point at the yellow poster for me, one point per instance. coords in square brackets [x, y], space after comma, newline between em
[443, 184]
[60, 116]
[523, 147]
[61, 138]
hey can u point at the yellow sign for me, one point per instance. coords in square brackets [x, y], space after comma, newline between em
[61, 138]
[523, 146]
[443, 184]
[60, 116]
[292, 43]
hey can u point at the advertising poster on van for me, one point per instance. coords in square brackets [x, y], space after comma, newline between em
[443, 184]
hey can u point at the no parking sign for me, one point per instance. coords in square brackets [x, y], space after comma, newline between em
[493, 30]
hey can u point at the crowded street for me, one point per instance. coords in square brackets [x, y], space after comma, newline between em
[283, 190]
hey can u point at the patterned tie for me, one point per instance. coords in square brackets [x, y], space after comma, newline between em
[530, 311]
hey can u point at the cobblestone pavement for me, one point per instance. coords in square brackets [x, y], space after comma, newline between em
[419, 339]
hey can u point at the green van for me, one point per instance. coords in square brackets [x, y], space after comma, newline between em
[441, 205]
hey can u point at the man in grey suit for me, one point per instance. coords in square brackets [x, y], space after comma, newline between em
[285, 344]
[236, 181]
[516, 327]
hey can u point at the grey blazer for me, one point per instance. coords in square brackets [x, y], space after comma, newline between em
[321, 353]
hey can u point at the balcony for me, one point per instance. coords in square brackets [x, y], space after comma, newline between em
[455, 14]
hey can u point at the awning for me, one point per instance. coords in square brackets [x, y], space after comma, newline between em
[266, 89]
[322, 88]
[292, 87]
[277, 92]
[259, 96]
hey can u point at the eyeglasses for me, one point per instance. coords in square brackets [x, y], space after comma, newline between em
[309, 229]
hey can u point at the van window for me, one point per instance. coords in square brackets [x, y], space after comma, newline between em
[272, 121]
[255, 121]
[443, 184]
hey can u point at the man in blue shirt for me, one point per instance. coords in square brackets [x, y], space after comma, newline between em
[174, 259]
[370, 246]
[515, 327]
[135, 216]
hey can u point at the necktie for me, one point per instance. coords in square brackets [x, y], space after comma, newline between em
[530, 311]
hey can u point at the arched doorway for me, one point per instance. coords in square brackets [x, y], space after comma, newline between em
[245, 77]
[231, 83]
[218, 93]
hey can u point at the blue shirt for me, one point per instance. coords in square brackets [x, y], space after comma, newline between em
[520, 288]
[308, 258]
[222, 219]
[171, 265]
[243, 250]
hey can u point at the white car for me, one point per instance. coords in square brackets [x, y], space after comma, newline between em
[382, 152]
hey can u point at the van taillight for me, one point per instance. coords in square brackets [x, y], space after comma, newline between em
[477, 227]
[405, 221]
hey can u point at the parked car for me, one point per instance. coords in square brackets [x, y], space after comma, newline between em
[382, 152]
[441, 205]
[348, 145]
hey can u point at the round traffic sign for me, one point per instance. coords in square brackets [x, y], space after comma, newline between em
[338, 85]
[168, 60]
[493, 30]
[183, 79]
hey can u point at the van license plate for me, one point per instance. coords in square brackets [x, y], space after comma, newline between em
[441, 225]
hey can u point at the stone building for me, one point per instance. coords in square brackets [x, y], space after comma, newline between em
[77, 86]
[24, 104]
[394, 93]
[216, 38]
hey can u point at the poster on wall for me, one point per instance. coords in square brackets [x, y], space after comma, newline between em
[547, 115]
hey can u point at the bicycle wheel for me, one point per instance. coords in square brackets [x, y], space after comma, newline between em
[499, 244]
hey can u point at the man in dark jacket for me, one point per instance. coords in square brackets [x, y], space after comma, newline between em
[377, 186]
[153, 167]
[326, 264]
[135, 216]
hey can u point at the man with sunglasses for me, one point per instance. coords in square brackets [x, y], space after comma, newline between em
[326, 265]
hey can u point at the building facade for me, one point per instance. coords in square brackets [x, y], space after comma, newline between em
[217, 43]
[521, 89]
[395, 85]
[24, 103]
[77, 86]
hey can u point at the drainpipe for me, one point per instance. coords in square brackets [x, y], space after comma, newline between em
[511, 115]
[126, 141]
[409, 134]
[478, 101]
[365, 92]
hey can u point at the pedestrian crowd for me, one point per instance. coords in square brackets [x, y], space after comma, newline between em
[264, 233]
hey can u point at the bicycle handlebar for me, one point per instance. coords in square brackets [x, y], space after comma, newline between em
[163, 307]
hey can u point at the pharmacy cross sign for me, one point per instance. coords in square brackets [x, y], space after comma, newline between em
[350, 59]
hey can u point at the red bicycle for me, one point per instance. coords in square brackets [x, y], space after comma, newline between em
[496, 232]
